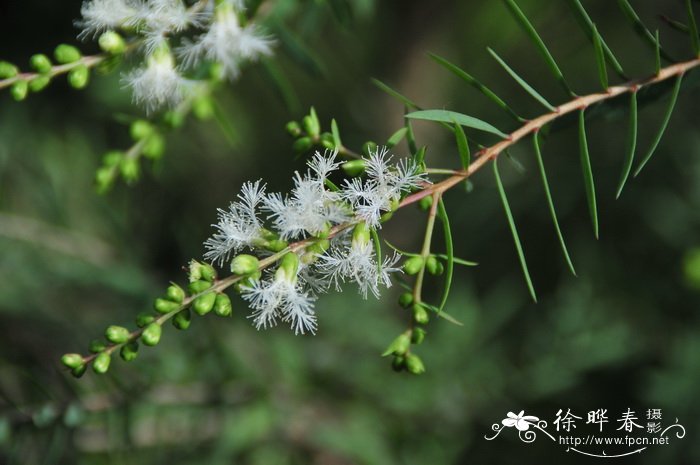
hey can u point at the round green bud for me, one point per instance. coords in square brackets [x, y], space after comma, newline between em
[417, 335]
[154, 146]
[104, 178]
[426, 202]
[276, 245]
[129, 351]
[182, 319]
[151, 334]
[222, 305]
[327, 141]
[420, 314]
[302, 144]
[432, 265]
[203, 108]
[140, 129]
[311, 125]
[319, 247]
[414, 364]
[293, 128]
[354, 167]
[161, 305]
[79, 76]
[406, 299]
[117, 334]
[39, 83]
[101, 363]
[8, 70]
[96, 346]
[369, 147]
[440, 268]
[413, 265]
[130, 169]
[111, 42]
[175, 293]
[288, 266]
[199, 286]
[386, 217]
[399, 346]
[398, 363]
[40, 63]
[72, 360]
[244, 264]
[361, 234]
[144, 319]
[19, 90]
[207, 272]
[204, 303]
[79, 370]
[174, 119]
[112, 158]
[65, 53]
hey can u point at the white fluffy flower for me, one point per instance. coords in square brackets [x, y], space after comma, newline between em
[383, 186]
[239, 226]
[226, 42]
[157, 84]
[311, 208]
[101, 15]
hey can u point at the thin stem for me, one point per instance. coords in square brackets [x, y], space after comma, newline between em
[425, 250]
[89, 61]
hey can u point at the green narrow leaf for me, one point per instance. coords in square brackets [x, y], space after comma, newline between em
[587, 171]
[441, 314]
[402, 98]
[519, 167]
[472, 81]
[336, 134]
[377, 250]
[521, 81]
[657, 54]
[583, 18]
[419, 157]
[693, 28]
[449, 251]
[600, 58]
[664, 124]
[631, 144]
[513, 230]
[396, 137]
[539, 43]
[640, 28]
[446, 116]
[411, 139]
[550, 202]
[456, 260]
[462, 146]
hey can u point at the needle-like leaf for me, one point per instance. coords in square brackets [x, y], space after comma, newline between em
[528, 88]
[657, 54]
[640, 28]
[693, 25]
[600, 58]
[462, 146]
[451, 117]
[449, 251]
[631, 144]
[397, 95]
[587, 171]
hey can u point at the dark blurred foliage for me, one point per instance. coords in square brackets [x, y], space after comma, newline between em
[624, 333]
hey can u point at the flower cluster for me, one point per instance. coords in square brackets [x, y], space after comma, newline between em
[175, 38]
[335, 224]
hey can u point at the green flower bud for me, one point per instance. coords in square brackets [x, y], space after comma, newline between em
[154, 146]
[39, 83]
[129, 351]
[426, 202]
[420, 314]
[144, 319]
[96, 346]
[112, 158]
[65, 53]
[398, 346]
[432, 265]
[104, 178]
[247, 281]
[130, 169]
[354, 167]
[398, 363]
[207, 272]
[369, 147]
[117, 334]
[203, 108]
[288, 267]
[204, 303]
[165, 306]
[386, 217]
[244, 265]
[175, 293]
[40, 63]
[327, 141]
[414, 364]
[413, 265]
[79, 76]
[361, 234]
[293, 128]
[417, 335]
[199, 286]
[19, 90]
[222, 305]
[319, 247]
[440, 268]
[140, 129]
[111, 42]
[8, 70]
[216, 72]
[406, 299]
[302, 144]
[72, 360]
[174, 119]
[276, 245]
[311, 124]
[101, 363]
[151, 334]
[79, 370]
[182, 319]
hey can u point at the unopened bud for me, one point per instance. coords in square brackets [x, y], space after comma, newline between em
[40, 63]
[151, 334]
[129, 351]
[426, 202]
[413, 265]
[96, 346]
[39, 83]
[111, 42]
[420, 314]
[19, 90]
[244, 264]
[198, 286]
[72, 360]
[161, 305]
[144, 319]
[302, 144]
[175, 293]
[417, 336]
[354, 167]
[182, 319]
[204, 303]
[414, 364]
[406, 299]
[7, 70]
[101, 363]
[117, 334]
[65, 53]
[293, 128]
[154, 146]
[398, 346]
[222, 305]
[432, 265]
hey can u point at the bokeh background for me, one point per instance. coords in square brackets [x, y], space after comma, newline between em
[624, 333]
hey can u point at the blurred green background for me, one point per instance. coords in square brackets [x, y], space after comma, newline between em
[624, 333]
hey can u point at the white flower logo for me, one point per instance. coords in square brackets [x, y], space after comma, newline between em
[520, 421]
